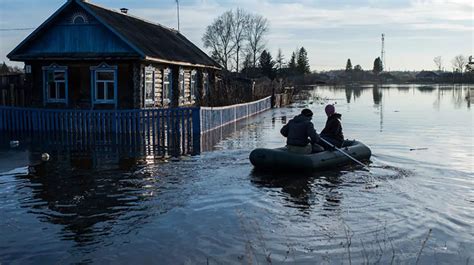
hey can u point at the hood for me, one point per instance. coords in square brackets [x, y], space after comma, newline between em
[335, 116]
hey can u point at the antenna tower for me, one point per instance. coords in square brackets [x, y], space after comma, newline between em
[382, 56]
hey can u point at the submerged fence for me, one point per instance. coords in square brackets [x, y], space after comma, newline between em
[166, 131]
[215, 117]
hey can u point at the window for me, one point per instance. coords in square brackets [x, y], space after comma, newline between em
[149, 85]
[104, 85]
[55, 84]
[104, 79]
[194, 91]
[182, 98]
[205, 81]
[167, 86]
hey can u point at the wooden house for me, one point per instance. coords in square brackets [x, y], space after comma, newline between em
[89, 57]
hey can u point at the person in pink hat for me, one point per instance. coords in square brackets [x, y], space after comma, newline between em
[332, 132]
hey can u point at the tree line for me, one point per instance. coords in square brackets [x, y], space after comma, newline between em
[460, 64]
[377, 68]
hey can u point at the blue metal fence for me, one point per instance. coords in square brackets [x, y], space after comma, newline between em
[215, 117]
[174, 131]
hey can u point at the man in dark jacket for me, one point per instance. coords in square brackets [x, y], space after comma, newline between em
[332, 132]
[300, 132]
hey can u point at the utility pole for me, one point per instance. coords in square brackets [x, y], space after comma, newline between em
[382, 56]
[177, 8]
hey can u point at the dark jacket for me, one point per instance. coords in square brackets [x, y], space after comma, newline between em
[300, 131]
[333, 128]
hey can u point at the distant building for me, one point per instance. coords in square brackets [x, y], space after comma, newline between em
[470, 65]
[427, 76]
[387, 77]
[87, 56]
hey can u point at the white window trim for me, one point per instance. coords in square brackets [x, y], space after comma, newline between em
[193, 86]
[149, 101]
[206, 87]
[106, 91]
[167, 91]
[182, 87]
[101, 69]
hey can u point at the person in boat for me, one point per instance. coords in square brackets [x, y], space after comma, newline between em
[301, 137]
[332, 132]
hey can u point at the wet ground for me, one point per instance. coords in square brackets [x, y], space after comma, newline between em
[106, 206]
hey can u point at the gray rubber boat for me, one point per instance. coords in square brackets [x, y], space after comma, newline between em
[281, 158]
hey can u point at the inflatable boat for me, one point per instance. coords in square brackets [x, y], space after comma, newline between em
[282, 159]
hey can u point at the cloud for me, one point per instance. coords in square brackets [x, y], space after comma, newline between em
[330, 30]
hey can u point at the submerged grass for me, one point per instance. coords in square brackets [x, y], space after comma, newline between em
[380, 250]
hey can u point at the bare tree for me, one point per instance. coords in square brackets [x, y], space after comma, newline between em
[219, 38]
[239, 32]
[235, 29]
[459, 62]
[258, 27]
[439, 62]
[280, 59]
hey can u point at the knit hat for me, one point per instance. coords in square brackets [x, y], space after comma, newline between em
[307, 113]
[330, 110]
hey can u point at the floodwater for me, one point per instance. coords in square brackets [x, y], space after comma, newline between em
[105, 206]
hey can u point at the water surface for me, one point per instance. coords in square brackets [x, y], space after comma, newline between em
[112, 206]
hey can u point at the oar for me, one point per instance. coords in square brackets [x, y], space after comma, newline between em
[346, 154]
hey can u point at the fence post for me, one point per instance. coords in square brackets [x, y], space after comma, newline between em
[196, 120]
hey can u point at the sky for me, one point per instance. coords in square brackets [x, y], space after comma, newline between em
[331, 31]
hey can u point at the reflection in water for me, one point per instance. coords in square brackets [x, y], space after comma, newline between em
[353, 92]
[303, 190]
[84, 192]
[426, 89]
[377, 94]
[459, 93]
[121, 204]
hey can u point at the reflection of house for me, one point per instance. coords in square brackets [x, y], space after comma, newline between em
[427, 76]
[87, 56]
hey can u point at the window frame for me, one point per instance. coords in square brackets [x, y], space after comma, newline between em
[182, 87]
[149, 101]
[103, 68]
[205, 84]
[54, 68]
[167, 88]
[193, 86]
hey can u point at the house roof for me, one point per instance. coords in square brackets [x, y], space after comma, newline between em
[152, 41]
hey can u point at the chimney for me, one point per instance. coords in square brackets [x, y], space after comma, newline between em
[124, 10]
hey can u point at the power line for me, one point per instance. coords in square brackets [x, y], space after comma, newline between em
[16, 29]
